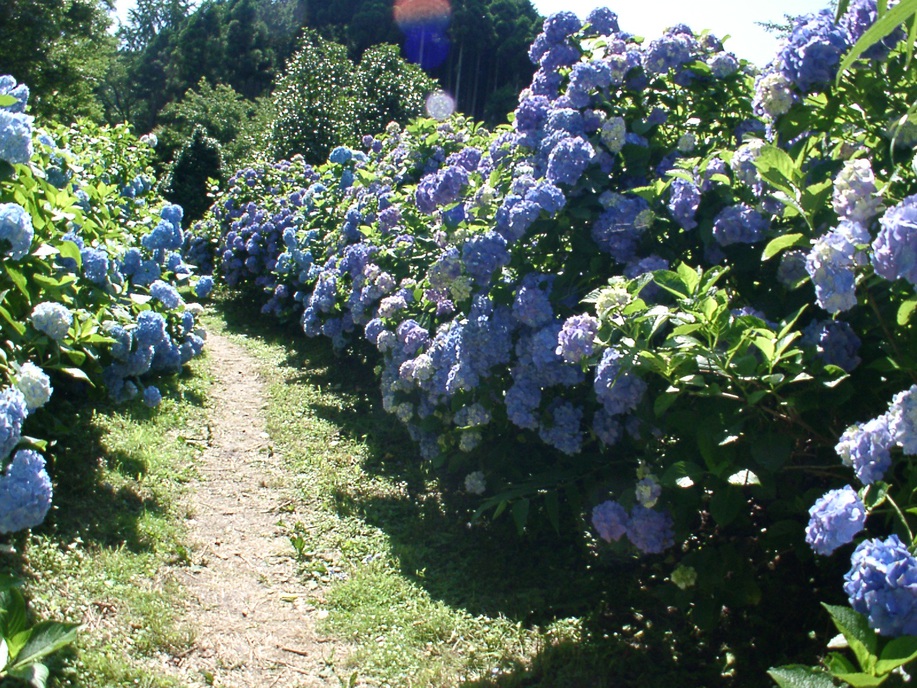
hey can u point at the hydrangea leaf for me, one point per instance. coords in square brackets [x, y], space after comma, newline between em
[905, 310]
[862, 639]
[775, 246]
[798, 676]
[892, 19]
[898, 652]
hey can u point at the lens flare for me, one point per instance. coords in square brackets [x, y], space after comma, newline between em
[440, 105]
[424, 24]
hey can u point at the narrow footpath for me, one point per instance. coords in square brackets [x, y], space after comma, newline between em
[252, 616]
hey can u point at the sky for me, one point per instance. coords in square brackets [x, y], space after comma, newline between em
[648, 18]
[733, 18]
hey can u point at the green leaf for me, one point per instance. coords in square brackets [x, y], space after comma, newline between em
[898, 652]
[672, 282]
[47, 637]
[726, 505]
[7, 100]
[552, 508]
[15, 324]
[777, 167]
[887, 23]
[68, 249]
[862, 640]
[18, 279]
[521, 514]
[905, 310]
[76, 373]
[690, 277]
[798, 676]
[861, 680]
[36, 675]
[775, 246]
[13, 618]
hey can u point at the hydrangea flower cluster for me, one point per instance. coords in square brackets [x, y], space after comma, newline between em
[648, 530]
[894, 251]
[15, 125]
[25, 492]
[835, 519]
[15, 230]
[882, 585]
[34, 384]
[53, 319]
[855, 196]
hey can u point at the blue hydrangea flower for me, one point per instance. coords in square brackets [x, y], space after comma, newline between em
[152, 397]
[483, 254]
[20, 92]
[95, 265]
[203, 287]
[860, 15]
[855, 196]
[568, 160]
[902, 420]
[558, 26]
[648, 491]
[882, 585]
[34, 384]
[13, 411]
[15, 137]
[610, 520]
[650, 531]
[618, 229]
[15, 230]
[52, 319]
[341, 155]
[532, 306]
[603, 21]
[835, 519]
[835, 342]
[577, 337]
[867, 448]
[774, 95]
[723, 64]
[684, 200]
[25, 492]
[894, 251]
[166, 294]
[616, 386]
[810, 55]
[739, 224]
[562, 428]
[151, 329]
[830, 265]
[606, 427]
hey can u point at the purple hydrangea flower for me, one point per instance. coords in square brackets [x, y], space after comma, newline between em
[670, 51]
[866, 447]
[603, 21]
[558, 26]
[835, 519]
[95, 265]
[882, 585]
[532, 113]
[577, 337]
[15, 229]
[860, 15]
[562, 430]
[610, 520]
[15, 137]
[25, 492]
[894, 251]
[619, 228]
[483, 254]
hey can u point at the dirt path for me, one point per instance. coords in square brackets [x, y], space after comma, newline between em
[253, 618]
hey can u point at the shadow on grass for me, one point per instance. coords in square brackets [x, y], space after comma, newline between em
[630, 636]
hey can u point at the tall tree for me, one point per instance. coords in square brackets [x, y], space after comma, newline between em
[61, 50]
[250, 58]
[147, 18]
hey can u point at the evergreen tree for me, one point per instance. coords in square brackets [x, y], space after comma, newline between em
[186, 183]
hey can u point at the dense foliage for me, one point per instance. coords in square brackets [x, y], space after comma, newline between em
[685, 289]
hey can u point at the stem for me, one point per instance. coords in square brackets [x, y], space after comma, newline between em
[900, 513]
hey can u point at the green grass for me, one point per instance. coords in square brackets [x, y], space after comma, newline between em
[427, 598]
[105, 552]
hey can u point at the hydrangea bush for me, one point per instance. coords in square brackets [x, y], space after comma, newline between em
[94, 291]
[683, 288]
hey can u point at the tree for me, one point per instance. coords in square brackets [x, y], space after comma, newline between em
[147, 18]
[186, 183]
[313, 101]
[61, 50]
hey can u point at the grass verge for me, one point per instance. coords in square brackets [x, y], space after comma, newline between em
[104, 554]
